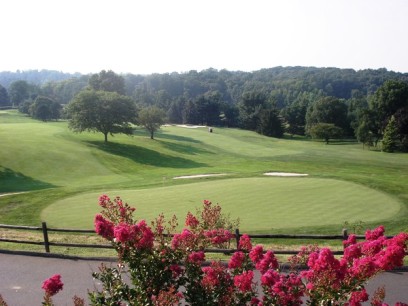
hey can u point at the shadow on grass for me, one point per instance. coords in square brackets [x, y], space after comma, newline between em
[160, 134]
[11, 181]
[145, 156]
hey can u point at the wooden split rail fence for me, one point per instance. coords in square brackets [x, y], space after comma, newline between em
[47, 243]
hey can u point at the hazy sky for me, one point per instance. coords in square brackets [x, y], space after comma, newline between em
[148, 36]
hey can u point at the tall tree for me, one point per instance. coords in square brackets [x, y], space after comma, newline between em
[107, 81]
[391, 137]
[208, 108]
[270, 123]
[19, 91]
[250, 106]
[4, 97]
[389, 98]
[151, 118]
[102, 111]
[327, 110]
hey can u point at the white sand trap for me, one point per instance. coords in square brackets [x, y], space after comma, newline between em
[285, 174]
[197, 176]
[8, 194]
[190, 126]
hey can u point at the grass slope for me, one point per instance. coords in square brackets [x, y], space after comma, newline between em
[69, 171]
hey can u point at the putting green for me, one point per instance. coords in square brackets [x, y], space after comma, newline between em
[261, 203]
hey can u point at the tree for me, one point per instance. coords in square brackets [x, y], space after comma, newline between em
[19, 91]
[208, 108]
[326, 131]
[107, 81]
[364, 134]
[389, 98]
[327, 110]
[44, 108]
[294, 116]
[270, 123]
[391, 137]
[249, 108]
[401, 118]
[102, 111]
[4, 97]
[151, 118]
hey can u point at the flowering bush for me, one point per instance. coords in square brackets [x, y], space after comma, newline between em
[170, 269]
[158, 266]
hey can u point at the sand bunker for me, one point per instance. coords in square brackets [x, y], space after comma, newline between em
[191, 126]
[12, 193]
[284, 174]
[197, 176]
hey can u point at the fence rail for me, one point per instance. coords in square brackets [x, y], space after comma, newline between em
[47, 243]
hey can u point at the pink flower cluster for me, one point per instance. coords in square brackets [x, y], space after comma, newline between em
[361, 261]
[328, 278]
[186, 240]
[52, 285]
[138, 235]
[244, 281]
[218, 236]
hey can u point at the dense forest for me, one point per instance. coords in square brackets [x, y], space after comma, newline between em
[320, 102]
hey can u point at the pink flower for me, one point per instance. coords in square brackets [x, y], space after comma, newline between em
[256, 253]
[269, 278]
[214, 275]
[124, 232]
[352, 251]
[103, 227]
[357, 297]
[196, 257]
[185, 240]
[145, 236]
[104, 200]
[268, 261]
[244, 281]
[236, 260]
[245, 243]
[218, 236]
[352, 239]
[191, 220]
[176, 270]
[52, 285]
[375, 234]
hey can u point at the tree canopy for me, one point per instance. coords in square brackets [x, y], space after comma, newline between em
[360, 102]
[107, 81]
[102, 111]
[4, 98]
[326, 131]
[44, 108]
[151, 118]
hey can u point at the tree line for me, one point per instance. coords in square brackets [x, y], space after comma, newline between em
[326, 103]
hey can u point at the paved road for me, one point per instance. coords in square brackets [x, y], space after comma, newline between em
[21, 278]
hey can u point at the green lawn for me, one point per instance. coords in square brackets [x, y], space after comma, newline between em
[263, 204]
[66, 172]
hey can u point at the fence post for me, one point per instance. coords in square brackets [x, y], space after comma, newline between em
[345, 235]
[45, 234]
[237, 236]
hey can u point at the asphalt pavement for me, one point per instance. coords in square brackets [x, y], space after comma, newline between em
[21, 278]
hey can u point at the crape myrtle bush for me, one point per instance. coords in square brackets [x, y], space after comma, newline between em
[156, 268]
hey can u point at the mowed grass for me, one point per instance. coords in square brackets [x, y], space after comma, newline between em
[262, 204]
[66, 172]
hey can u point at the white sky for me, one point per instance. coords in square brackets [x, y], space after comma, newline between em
[149, 36]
